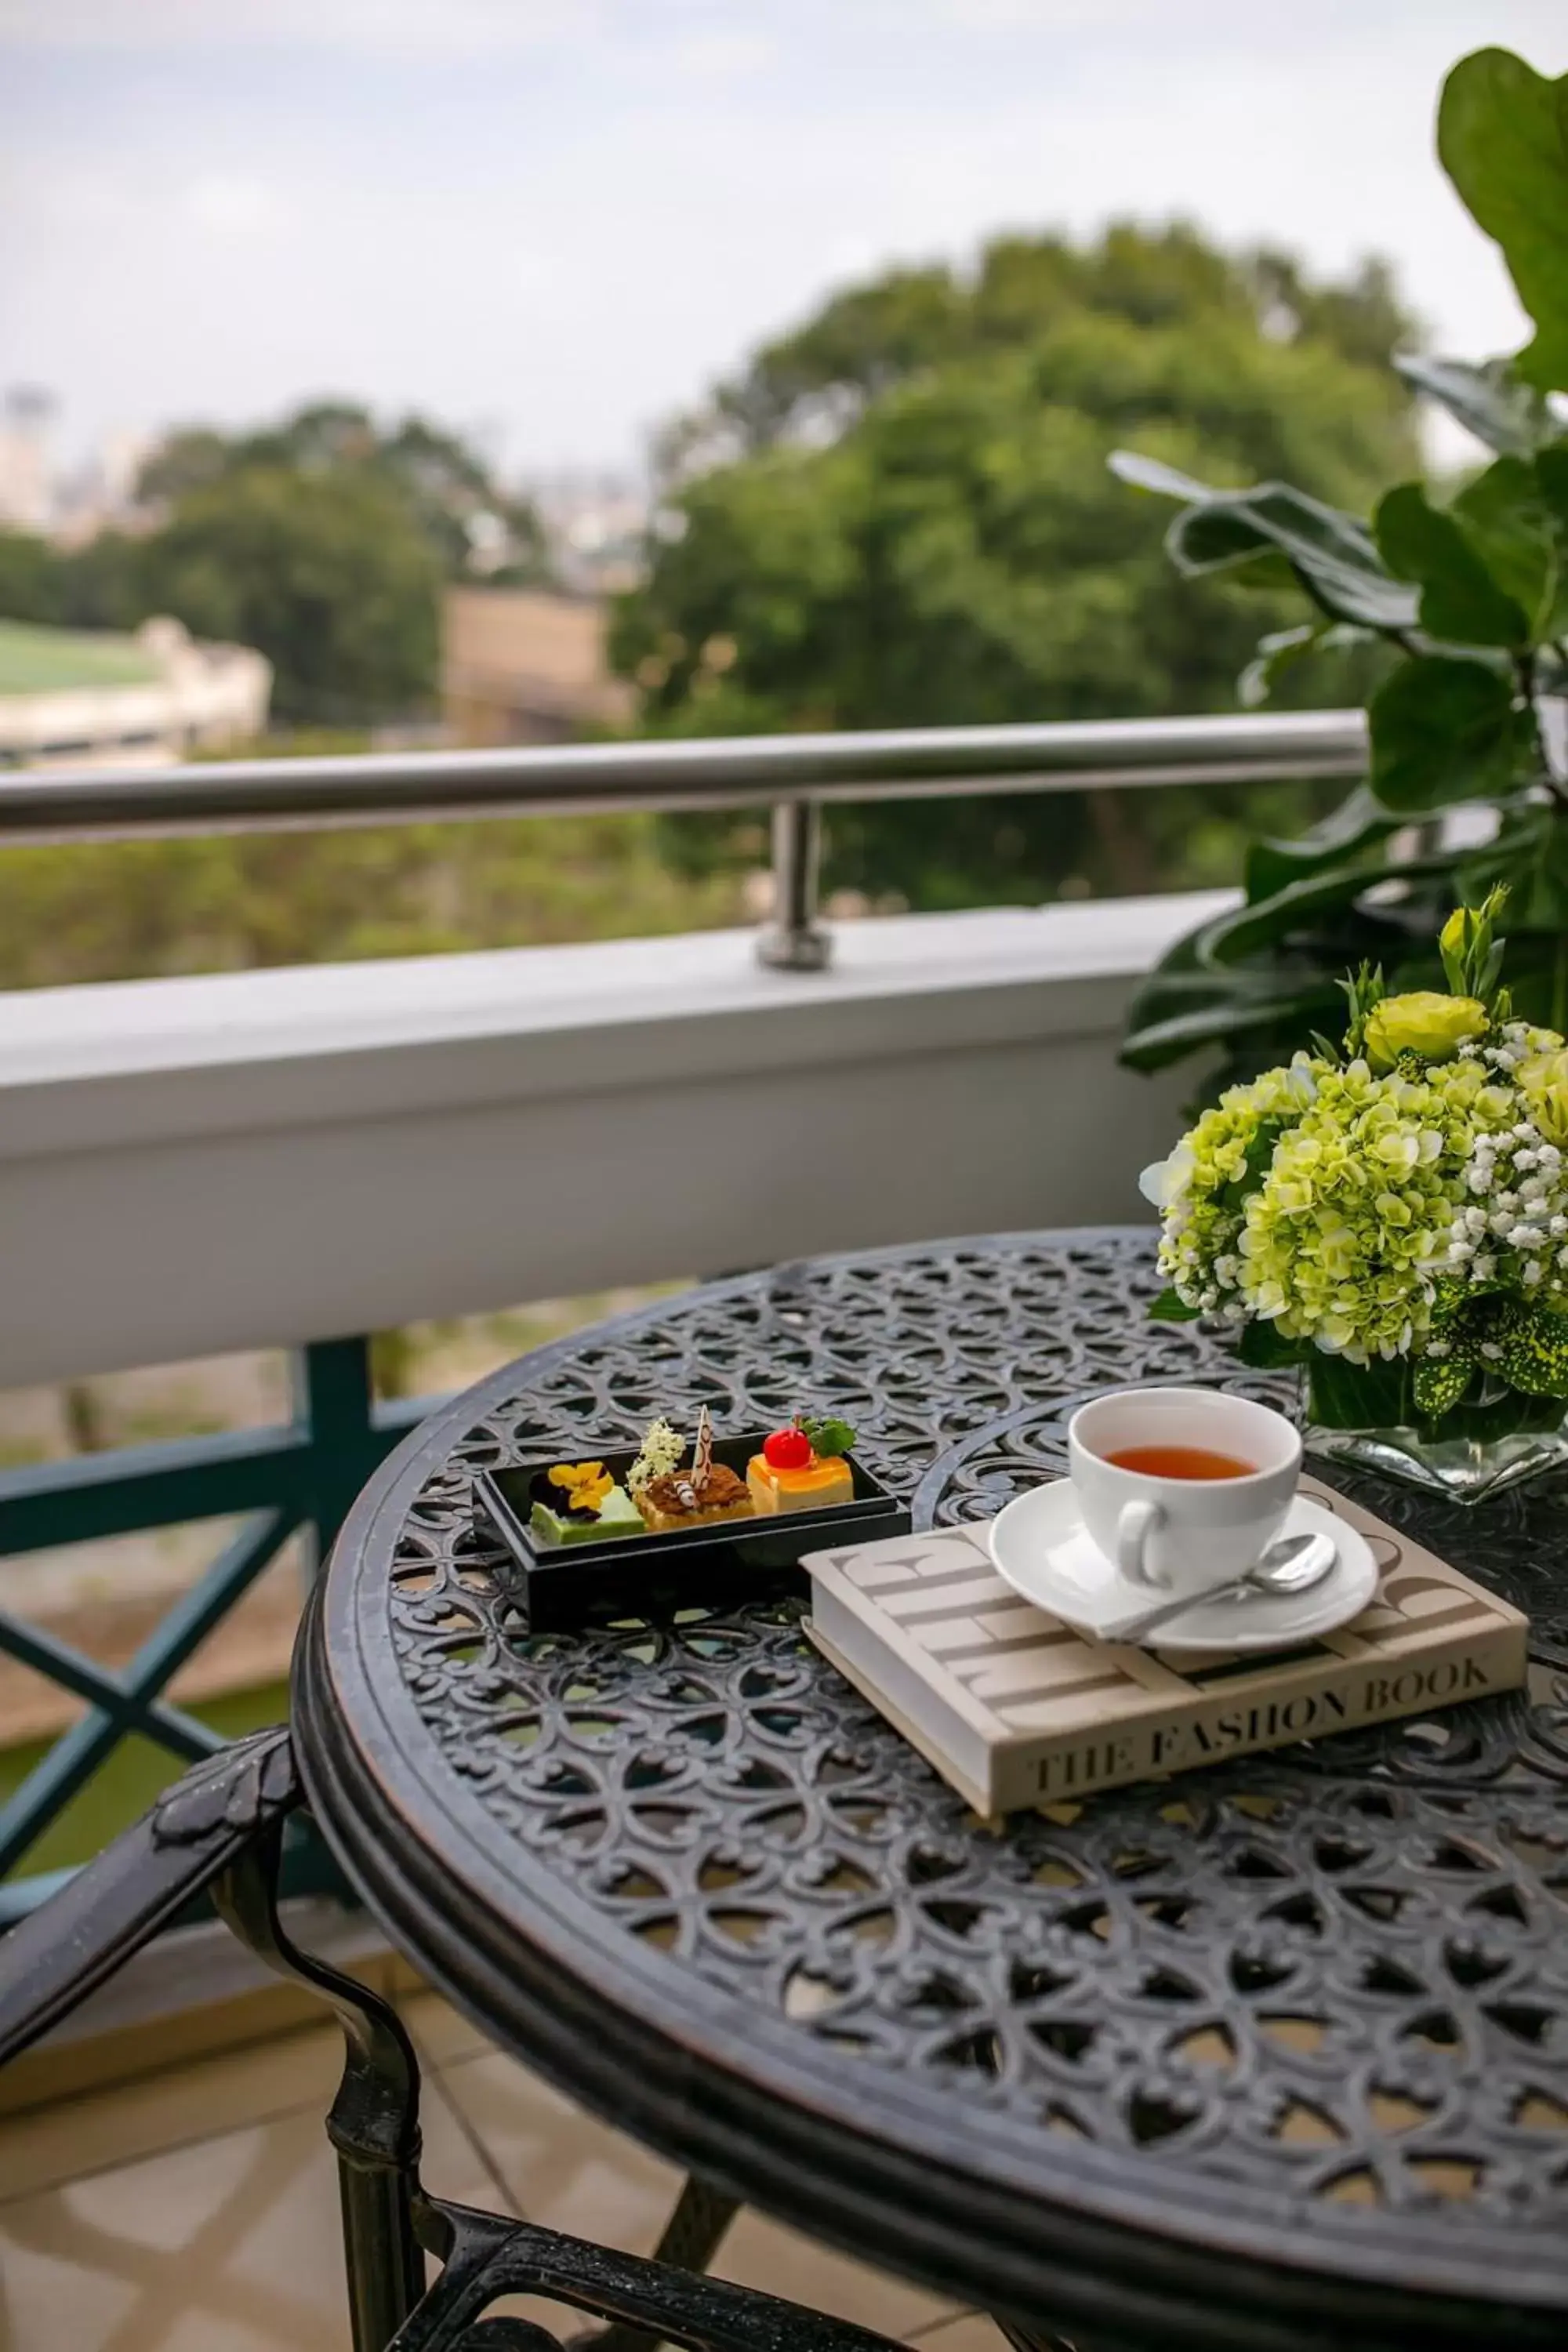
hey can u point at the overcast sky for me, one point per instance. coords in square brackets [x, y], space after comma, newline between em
[559, 219]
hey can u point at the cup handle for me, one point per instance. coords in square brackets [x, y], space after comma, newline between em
[1133, 1528]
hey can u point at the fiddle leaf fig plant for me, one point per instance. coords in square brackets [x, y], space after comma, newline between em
[1503, 136]
[1469, 595]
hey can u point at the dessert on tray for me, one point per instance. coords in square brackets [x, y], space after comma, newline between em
[585, 1506]
[685, 1519]
[668, 1487]
[802, 1468]
[669, 1498]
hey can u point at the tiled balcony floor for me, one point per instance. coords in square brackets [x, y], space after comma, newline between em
[196, 2210]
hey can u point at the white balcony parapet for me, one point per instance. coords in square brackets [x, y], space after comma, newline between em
[193, 1166]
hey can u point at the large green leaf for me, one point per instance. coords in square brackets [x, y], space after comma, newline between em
[1282, 649]
[1489, 401]
[1383, 1396]
[1333, 555]
[1509, 517]
[1259, 979]
[1460, 601]
[1502, 135]
[1439, 1383]
[1275, 653]
[1154, 1043]
[1551, 471]
[1358, 1396]
[1518, 856]
[1170, 1308]
[1263, 1350]
[1444, 732]
[1504, 1416]
[1183, 1006]
[1535, 1352]
[1251, 930]
[1341, 838]
[1130, 465]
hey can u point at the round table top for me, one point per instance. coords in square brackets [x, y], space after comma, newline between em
[1273, 2050]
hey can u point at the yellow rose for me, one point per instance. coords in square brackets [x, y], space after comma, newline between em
[1424, 1022]
[1544, 1083]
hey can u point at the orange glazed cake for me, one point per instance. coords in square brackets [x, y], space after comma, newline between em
[802, 1468]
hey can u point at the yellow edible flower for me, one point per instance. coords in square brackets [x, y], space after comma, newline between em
[1543, 1082]
[588, 1484]
[1424, 1022]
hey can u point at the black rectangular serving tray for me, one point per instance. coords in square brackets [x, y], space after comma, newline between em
[559, 1586]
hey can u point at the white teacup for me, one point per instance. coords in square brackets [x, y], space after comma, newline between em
[1182, 1534]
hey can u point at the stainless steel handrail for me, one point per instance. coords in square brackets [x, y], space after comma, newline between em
[795, 774]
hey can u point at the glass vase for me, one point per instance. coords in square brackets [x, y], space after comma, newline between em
[1498, 1441]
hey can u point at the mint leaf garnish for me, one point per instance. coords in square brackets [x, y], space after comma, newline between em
[829, 1435]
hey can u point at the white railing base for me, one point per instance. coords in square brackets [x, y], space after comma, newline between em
[189, 1167]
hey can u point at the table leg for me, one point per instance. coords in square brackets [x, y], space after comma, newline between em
[375, 2120]
[691, 2237]
[694, 2231]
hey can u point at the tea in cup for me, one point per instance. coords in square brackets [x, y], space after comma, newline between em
[1182, 1488]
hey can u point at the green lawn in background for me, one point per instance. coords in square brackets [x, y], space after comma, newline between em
[128, 1783]
[52, 661]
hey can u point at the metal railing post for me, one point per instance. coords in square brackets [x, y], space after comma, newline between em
[791, 939]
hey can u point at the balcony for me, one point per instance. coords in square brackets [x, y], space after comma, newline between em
[282, 1159]
[192, 1168]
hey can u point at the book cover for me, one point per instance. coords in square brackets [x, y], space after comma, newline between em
[1014, 1709]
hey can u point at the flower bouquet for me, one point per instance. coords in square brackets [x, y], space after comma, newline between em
[1392, 1216]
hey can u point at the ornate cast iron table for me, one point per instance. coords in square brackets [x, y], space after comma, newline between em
[1272, 2056]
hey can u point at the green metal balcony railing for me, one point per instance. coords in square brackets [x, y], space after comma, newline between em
[300, 1478]
[303, 1475]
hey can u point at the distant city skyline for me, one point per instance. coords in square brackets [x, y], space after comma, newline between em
[554, 222]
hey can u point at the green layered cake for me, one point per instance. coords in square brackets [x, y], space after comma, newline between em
[591, 1509]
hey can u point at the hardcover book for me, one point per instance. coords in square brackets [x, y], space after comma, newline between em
[1014, 1708]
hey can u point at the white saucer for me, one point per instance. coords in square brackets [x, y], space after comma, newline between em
[1040, 1547]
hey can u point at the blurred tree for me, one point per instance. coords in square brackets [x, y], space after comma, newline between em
[474, 525]
[190, 458]
[30, 584]
[901, 515]
[324, 539]
[331, 577]
[109, 581]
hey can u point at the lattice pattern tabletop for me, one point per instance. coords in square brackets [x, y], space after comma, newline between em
[1309, 2008]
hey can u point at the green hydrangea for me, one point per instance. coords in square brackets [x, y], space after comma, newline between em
[1201, 1187]
[1342, 1242]
[1404, 1198]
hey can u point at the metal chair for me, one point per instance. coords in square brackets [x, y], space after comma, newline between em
[220, 1828]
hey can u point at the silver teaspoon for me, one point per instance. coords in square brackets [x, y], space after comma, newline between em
[1293, 1565]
